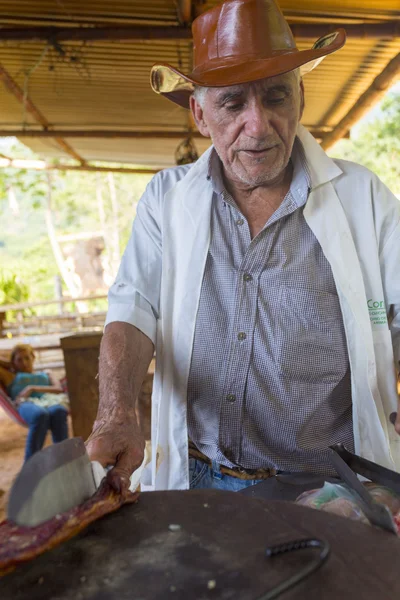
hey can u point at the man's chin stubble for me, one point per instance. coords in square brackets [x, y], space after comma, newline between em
[268, 176]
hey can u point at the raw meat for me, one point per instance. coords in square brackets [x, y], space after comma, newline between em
[19, 544]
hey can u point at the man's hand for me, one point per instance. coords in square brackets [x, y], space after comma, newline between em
[116, 439]
[117, 442]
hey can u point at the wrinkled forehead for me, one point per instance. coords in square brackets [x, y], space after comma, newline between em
[287, 80]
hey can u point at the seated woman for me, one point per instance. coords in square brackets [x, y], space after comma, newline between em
[33, 394]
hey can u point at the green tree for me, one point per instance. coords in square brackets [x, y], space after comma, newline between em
[12, 289]
[24, 242]
[377, 143]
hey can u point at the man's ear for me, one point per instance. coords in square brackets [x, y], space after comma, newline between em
[198, 116]
[301, 99]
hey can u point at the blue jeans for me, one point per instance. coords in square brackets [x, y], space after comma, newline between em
[40, 420]
[203, 476]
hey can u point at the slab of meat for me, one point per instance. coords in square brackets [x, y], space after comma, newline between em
[19, 544]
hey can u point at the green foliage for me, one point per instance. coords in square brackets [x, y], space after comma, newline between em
[24, 242]
[377, 144]
[12, 289]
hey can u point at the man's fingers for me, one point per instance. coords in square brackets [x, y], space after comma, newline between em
[96, 451]
[127, 462]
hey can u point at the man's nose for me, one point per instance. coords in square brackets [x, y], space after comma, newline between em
[258, 120]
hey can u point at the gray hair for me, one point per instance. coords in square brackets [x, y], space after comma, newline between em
[200, 92]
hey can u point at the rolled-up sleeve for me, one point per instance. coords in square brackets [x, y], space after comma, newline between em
[135, 295]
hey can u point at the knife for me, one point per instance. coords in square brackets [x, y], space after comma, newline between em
[55, 480]
[377, 514]
[369, 469]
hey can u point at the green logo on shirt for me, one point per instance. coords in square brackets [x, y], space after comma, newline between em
[377, 312]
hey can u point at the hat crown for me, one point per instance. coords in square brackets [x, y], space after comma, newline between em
[240, 29]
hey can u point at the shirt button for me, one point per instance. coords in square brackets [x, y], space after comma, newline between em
[247, 277]
[242, 336]
[240, 222]
[231, 398]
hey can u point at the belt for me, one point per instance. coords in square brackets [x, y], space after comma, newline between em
[237, 472]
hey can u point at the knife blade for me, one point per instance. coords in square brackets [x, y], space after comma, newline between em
[377, 514]
[369, 469]
[52, 481]
[57, 479]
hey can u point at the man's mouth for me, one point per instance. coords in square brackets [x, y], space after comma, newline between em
[259, 152]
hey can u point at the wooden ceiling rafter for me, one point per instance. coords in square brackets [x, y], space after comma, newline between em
[103, 133]
[121, 134]
[382, 30]
[13, 87]
[41, 165]
[339, 106]
[371, 96]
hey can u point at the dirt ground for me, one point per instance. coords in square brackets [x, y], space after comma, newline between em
[12, 446]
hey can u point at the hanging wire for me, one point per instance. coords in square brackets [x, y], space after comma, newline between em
[27, 76]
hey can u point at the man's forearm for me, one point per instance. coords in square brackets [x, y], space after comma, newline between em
[125, 356]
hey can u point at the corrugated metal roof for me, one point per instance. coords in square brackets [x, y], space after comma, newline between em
[328, 10]
[105, 85]
[87, 11]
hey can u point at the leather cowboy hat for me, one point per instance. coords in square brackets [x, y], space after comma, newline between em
[237, 42]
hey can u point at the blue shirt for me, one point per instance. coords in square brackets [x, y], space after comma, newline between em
[22, 380]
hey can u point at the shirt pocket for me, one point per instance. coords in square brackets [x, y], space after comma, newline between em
[311, 339]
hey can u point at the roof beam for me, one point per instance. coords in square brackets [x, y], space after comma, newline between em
[102, 133]
[388, 30]
[384, 30]
[41, 165]
[373, 94]
[107, 134]
[13, 87]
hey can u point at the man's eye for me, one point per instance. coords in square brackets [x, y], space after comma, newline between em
[276, 99]
[233, 107]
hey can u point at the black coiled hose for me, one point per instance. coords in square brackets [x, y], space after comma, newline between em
[311, 567]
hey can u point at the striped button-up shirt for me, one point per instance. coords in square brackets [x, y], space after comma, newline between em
[269, 383]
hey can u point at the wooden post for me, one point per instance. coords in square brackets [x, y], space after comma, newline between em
[58, 292]
[81, 357]
[2, 319]
[116, 256]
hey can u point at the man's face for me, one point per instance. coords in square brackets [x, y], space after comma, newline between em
[252, 126]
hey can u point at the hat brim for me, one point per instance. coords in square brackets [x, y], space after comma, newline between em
[178, 87]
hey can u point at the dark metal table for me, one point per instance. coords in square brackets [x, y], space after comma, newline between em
[217, 553]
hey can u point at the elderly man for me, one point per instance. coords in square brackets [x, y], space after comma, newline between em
[264, 275]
